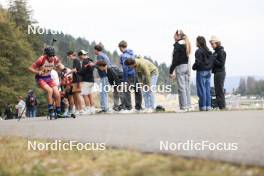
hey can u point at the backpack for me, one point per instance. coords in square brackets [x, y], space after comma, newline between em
[31, 101]
[117, 72]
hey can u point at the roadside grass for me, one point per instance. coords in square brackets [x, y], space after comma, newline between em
[16, 160]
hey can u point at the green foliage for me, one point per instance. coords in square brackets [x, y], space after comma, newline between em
[18, 50]
[20, 14]
[15, 55]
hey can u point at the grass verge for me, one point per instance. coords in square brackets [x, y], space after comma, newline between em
[15, 159]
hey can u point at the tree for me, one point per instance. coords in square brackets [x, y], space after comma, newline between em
[242, 88]
[20, 13]
[15, 56]
[251, 85]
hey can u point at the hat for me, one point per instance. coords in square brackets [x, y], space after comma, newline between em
[30, 91]
[214, 39]
[82, 52]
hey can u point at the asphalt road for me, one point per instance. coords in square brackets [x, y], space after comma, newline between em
[145, 132]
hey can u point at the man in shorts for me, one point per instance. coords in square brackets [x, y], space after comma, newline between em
[42, 67]
[87, 75]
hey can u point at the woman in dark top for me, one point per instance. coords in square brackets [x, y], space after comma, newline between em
[203, 65]
[180, 64]
[219, 71]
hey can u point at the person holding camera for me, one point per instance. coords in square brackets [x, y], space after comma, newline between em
[180, 65]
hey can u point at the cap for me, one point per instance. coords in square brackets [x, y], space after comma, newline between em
[82, 52]
[214, 39]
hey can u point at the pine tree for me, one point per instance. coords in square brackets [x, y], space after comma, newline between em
[20, 13]
[15, 56]
[242, 88]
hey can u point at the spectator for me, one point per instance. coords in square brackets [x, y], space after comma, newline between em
[21, 107]
[87, 81]
[76, 83]
[203, 65]
[219, 71]
[31, 104]
[148, 73]
[98, 50]
[8, 112]
[180, 64]
[114, 76]
[129, 76]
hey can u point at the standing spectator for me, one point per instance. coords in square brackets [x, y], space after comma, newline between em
[219, 71]
[180, 64]
[129, 76]
[98, 50]
[31, 103]
[21, 107]
[8, 114]
[114, 76]
[76, 83]
[148, 73]
[87, 81]
[203, 65]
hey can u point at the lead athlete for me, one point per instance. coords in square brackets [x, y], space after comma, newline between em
[42, 68]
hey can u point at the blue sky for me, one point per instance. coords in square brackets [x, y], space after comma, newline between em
[149, 25]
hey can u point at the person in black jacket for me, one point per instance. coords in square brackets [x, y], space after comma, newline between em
[180, 64]
[87, 75]
[115, 79]
[8, 114]
[203, 65]
[219, 71]
[76, 82]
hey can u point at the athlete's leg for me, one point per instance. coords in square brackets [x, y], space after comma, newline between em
[49, 92]
[46, 88]
[56, 94]
[71, 103]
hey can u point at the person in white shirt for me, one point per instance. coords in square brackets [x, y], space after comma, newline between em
[21, 107]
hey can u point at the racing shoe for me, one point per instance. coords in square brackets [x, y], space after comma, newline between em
[59, 115]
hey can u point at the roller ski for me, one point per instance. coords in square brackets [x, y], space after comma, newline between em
[53, 115]
[69, 115]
